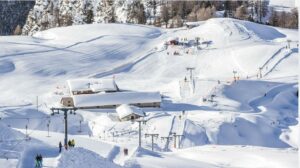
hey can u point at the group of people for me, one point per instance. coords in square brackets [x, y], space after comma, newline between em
[39, 160]
[71, 143]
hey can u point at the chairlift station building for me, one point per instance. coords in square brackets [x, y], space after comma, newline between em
[104, 93]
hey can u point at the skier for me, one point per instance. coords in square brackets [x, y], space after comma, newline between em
[73, 143]
[37, 160]
[60, 146]
[69, 143]
[41, 160]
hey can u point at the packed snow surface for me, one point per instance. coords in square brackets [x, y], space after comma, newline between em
[238, 107]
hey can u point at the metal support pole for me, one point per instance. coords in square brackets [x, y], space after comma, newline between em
[179, 136]
[80, 125]
[152, 139]
[37, 103]
[191, 69]
[260, 74]
[65, 110]
[234, 75]
[174, 140]
[48, 129]
[152, 143]
[66, 126]
[26, 134]
[168, 140]
[140, 134]
[140, 130]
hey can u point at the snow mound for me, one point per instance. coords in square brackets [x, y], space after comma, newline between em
[258, 133]
[6, 66]
[194, 135]
[82, 158]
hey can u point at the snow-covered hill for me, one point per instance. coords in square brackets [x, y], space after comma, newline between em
[254, 115]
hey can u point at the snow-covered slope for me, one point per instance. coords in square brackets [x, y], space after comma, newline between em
[258, 113]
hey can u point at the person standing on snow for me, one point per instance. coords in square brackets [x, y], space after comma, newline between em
[69, 143]
[37, 160]
[40, 160]
[73, 143]
[60, 146]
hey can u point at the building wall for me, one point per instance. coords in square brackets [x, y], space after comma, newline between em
[154, 105]
[67, 101]
[83, 92]
[128, 118]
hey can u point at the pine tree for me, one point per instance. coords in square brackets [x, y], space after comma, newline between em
[88, 13]
[106, 12]
[136, 13]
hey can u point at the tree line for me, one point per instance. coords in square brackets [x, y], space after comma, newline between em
[160, 13]
[175, 13]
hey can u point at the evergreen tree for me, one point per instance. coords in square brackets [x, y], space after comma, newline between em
[88, 13]
[136, 13]
[106, 12]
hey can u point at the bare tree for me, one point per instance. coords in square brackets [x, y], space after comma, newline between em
[241, 13]
[165, 15]
[177, 21]
[293, 19]
[18, 30]
[274, 18]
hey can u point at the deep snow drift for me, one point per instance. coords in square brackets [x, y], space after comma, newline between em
[216, 119]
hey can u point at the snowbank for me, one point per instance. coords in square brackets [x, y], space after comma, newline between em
[83, 158]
